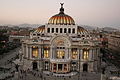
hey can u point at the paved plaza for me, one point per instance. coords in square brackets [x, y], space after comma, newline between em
[7, 67]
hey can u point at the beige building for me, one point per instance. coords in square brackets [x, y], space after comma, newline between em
[61, 47]
[114, 41]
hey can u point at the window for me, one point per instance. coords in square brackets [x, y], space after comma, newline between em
[65, 67]
[54, 67]
[74, 53]
[85, 67]
[38, 34]
[83, 35]
[73, 66]
[35, 65]
[69, 30]
[52, 30]
[56, 30]
[87, 35]
[46, 65]
[85, 54]
[34, 34]
[60, 54]
[60, 30]
[46, 52]
[65, 30]
[34, 51]
[73, 30]
[60, 67]
[48, 30]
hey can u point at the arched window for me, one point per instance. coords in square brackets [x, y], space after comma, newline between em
[74, 53]
[56, 30]
[35, 51]
[60, 30]
[85, 54]
[52, 30]
[46, 52]
[65, 30]
[34, 34]
[69, 30]
[48, 30]
[73, 30]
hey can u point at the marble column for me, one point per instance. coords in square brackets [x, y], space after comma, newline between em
[52, 65]
[53, 52]
[81, 53]
[93, 53]
[67, 51]
[30, 52]
[66, 54]
[78, 53]
[62, 67]
[67, 67]
[57, 67]
[51, 56]
[70, 53]
[26, 51]
[42, 52]
[39, 52]
[90, 54]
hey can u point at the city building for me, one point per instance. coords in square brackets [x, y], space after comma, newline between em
[62, 49]
[114, 41]
[3, 27]
[18, 36]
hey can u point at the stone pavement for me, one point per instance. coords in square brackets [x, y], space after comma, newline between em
[7, 66]
[37, 75]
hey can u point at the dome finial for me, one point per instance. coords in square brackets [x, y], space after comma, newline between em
[61, 4]
[61, 9]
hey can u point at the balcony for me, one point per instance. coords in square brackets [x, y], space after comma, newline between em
[60, 60]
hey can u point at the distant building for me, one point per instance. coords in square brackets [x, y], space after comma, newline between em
[18, 36]
[3, 27]
[114, 41]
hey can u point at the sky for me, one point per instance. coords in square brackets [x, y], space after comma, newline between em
[101, 13]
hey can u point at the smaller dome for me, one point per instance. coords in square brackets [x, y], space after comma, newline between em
[61, 18]
[81, 30]
[40, 29]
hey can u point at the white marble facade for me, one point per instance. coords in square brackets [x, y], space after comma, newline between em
[61, 46]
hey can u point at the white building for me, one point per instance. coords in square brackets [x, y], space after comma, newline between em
[61, 47]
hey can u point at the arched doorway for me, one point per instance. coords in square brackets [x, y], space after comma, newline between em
[35, 65]
[85, 67]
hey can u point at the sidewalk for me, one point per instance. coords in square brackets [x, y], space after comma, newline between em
[6, 65]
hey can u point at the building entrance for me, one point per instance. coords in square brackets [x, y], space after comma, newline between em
[35, 66]
[59, 67]
[85, 67]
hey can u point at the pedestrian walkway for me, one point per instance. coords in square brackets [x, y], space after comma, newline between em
[6, 65]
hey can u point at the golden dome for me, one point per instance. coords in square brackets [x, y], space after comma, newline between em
[61, 18]
[40, 29]
[81, 30]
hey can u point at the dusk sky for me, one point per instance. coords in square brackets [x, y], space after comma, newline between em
[99, 13]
